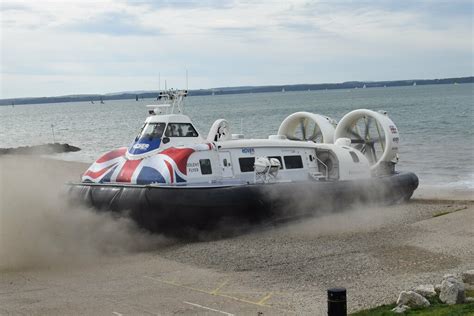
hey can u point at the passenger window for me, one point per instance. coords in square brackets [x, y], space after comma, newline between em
[205, 166]
[279, 159]
[293, 162]
[354, 156]
[180, 130]
[246, 164]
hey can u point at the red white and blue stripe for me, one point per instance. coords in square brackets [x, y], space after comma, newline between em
[167, 167]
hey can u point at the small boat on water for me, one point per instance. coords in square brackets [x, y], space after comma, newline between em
[171, 175]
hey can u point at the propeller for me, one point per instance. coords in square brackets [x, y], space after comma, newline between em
[303, 128]
[360, 135]
[372, 133]
[316, 135]
[309, 132]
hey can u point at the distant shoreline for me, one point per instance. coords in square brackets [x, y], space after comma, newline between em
[96, 98]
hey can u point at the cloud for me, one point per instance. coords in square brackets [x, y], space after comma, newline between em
[112, 23]
[182, 4]
[12, 6]
[229, 43]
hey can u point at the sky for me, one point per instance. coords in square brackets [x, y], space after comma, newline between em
[64, 47]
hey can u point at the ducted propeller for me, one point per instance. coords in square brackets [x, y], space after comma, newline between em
[372, 133]
[305, 126]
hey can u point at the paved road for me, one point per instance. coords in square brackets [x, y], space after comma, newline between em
[271, 270]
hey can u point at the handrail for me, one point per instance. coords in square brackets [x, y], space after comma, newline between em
[325, 166]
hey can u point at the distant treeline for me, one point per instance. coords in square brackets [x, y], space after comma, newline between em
[236, 90]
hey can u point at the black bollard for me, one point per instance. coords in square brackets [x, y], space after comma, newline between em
[337, 304]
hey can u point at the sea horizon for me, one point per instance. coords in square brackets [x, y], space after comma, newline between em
[147, 94]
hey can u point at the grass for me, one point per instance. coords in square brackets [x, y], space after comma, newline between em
[436, 309]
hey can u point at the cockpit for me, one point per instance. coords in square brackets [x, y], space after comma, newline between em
[153, 134]
[180, 130]
[150, 131]
[155, 130]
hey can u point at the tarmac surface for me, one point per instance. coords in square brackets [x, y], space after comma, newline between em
[273, 269]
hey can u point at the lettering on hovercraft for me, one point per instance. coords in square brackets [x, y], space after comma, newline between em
[393, 129]
[248, 150]
[396, 139]
[141, 146]
[192, 166]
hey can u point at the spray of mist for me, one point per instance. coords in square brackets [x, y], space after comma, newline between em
[39, 228]
[321, 212]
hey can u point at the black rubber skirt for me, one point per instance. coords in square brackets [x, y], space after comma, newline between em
[161, 208]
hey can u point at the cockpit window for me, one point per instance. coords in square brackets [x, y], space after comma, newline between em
[152, 130]
[180, 130]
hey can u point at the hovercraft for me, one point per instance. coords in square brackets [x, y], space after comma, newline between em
[172, 176]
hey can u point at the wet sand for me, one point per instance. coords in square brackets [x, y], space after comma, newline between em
[59, 261]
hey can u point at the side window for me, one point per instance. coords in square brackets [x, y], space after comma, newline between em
[246, 164]
[205, 166]
[180, 130]
[354, 156]
[279, 159]
[293, 162]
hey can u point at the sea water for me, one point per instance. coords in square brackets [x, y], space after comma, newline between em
[435, 123]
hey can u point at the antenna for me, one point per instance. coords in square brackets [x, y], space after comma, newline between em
[186, 80]
[165, 86]
[159, 82]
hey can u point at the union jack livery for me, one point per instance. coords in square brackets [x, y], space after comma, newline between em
[166, 167]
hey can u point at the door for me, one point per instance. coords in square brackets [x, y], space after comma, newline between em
[226, 164]
[313, 169]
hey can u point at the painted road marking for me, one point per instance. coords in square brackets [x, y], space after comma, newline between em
[118, 314]
[208, 308]
[216, 290]
[264, 299]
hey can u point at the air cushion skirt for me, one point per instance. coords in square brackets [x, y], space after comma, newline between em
[161, 208]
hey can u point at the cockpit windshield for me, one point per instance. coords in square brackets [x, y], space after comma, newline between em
[151, 131]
